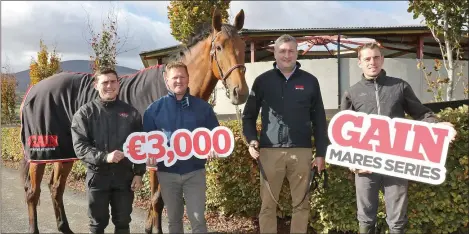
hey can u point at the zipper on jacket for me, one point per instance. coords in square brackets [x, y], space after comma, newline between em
[181, 114]
[377, 97]
[106, 145]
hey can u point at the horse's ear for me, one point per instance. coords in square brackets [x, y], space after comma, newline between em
[216, 20]
[239, 20]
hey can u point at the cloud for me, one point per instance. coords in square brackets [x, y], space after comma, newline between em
[310, 14]
[64, 24]
[157, 9]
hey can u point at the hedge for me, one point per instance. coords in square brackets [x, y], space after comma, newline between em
[233, 187]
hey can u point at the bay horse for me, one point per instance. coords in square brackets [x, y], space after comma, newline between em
[215, 54]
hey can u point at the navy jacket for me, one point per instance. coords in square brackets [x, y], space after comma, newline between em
[168, 114]
[292, 111]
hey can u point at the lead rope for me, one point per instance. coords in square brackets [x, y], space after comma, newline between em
[261, 168]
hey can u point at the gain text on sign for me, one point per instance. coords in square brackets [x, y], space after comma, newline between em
[409, 149]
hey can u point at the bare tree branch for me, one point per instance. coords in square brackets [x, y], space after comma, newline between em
[109, 43]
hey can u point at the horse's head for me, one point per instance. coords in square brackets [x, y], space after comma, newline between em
[227, 56]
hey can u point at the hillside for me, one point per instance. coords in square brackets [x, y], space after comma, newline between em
[70, 65]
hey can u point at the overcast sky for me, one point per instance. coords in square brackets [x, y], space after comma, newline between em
[64, 24]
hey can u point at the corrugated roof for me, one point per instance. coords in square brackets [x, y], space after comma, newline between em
[167, 48]
[336, 28]
[354, 30]
[246, 31]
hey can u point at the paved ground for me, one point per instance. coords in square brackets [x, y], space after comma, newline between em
[14, 217]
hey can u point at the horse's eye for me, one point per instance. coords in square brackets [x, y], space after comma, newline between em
[219, 48]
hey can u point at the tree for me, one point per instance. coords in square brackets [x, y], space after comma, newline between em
[45, 66]
[447, 19]
[106, 42]
[9, 84]
[185, 16]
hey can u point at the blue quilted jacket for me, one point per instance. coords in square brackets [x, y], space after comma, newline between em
[168, 114]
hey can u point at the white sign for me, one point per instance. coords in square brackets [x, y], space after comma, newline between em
[403, 148]
[143, 147]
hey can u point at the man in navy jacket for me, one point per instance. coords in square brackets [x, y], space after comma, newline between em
[186, 178]
[292, 113]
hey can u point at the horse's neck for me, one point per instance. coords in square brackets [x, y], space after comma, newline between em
[202, 81]
[143, 89]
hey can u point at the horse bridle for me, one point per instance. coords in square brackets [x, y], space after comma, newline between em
[213, 56]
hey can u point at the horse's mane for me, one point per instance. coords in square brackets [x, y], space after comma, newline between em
[200, 33]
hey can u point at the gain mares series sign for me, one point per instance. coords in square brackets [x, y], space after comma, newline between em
[403, 148]
[152, 147]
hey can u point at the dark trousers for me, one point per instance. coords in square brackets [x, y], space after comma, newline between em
[113, 190]
[395, 197]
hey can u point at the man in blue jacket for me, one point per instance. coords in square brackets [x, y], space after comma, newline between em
[186, 178]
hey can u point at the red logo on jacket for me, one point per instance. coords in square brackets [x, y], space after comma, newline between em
[43, 141]
[299, 87]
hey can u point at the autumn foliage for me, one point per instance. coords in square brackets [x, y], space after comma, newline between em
[45, 66]
[105, 43]
[8, 97]
[185, 16]
[104, 47]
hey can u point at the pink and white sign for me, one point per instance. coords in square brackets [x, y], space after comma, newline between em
[404, 148]
[143, 147]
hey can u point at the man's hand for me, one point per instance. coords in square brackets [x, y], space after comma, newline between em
[360, 171]
[254, 149]
[115, 156]
[452, 126]
[136, 183]
[319, 162]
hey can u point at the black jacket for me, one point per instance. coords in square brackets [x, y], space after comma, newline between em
[395, 96]
[291, 110]
[99, 128]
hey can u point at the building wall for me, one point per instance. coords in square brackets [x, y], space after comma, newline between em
[327, 72]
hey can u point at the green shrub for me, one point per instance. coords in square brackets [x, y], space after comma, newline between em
[145, 192]
[444, 208]
[78, 171]
[11, 144]
[232, 182]
[233, 187]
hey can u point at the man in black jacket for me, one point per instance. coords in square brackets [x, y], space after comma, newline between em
[99, 130]
[377, 93]
[292, 109]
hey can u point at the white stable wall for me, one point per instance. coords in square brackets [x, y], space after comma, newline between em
[326, 70]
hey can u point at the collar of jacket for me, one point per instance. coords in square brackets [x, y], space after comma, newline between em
[107, 103]
[379, 78]
[185, 99]
[298, 65]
